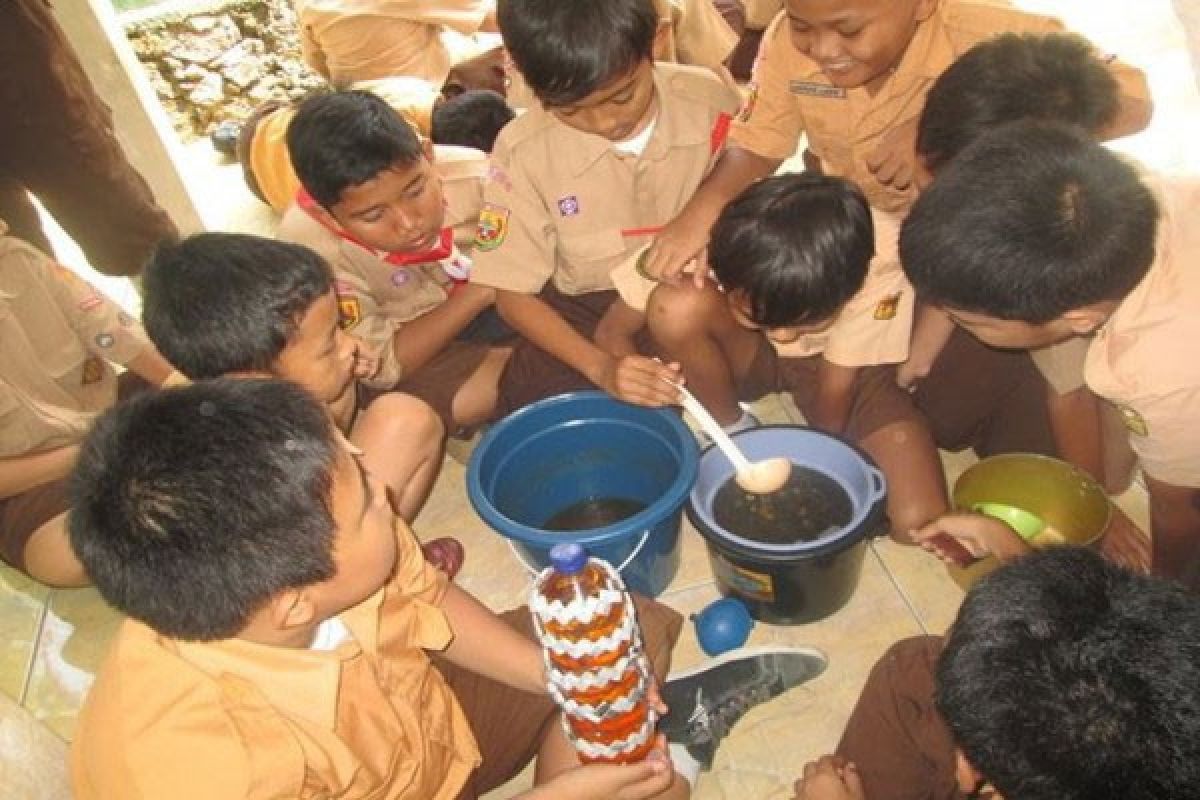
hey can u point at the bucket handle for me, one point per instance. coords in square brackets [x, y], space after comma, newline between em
[535, 571]
[879, 483]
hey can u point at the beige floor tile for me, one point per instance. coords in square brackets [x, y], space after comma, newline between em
[74, 640]
[34, 760]
[22, 604]
[923, 582]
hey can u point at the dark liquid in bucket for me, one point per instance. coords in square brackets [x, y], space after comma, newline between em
[809, 505]
[593, 512]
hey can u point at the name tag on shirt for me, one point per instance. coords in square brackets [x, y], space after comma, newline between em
[816, 89]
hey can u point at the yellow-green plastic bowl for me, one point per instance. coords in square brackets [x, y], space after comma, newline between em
[1072, 506]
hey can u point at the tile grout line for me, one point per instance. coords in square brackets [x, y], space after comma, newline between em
[27, 682]
[899, 589]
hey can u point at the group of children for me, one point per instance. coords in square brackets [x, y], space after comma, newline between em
[957, 211]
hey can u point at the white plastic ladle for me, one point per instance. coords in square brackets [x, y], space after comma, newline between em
[756, 477]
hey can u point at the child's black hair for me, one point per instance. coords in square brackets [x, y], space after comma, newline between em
[1013, 76]
[797, 245]
[218, 303]
[192, 507]
[471, 119]
[567, 49]
[1068, 678]
[1032, 220]
[343, 139]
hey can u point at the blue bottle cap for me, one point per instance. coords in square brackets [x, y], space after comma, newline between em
[568, 558]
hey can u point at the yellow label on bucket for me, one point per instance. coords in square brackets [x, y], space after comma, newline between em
[754, 585]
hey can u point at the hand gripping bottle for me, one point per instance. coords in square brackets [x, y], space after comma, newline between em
[595, 663]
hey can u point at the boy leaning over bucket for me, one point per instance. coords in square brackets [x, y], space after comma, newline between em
[851, 75]
[582, 183]
[287, 639]
[1069, 240]
[234, 304]
[1112, 709]
[388, 213]
[802, 294]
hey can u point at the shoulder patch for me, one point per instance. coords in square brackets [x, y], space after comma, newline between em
[749, 103]
[93, 371]
[349, 312]
[700, 85]
[887, 307]
[493, 227]
[1134, 421]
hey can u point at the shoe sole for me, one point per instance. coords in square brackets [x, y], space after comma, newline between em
[739, 653]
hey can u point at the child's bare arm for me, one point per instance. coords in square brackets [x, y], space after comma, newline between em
[686, 237]
[151, 367]
[1175, 531]
[618, 327]
[633, 378]
[978, 533]
[483, 643]
[931, 331]
[835, 390]
[419, 340]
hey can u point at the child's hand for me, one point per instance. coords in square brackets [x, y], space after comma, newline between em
[894, 162]
[830, 778]
[366, 363]
[681, 245]
[979, 534]
[642, 381]
[648, 778]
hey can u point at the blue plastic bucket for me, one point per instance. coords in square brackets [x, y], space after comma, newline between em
[799, 581]
[574, 447]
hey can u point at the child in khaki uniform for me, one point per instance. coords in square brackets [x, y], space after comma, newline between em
[1071, 241]
[390, 214]
[580, 185]
[286, 639]
[60, 336]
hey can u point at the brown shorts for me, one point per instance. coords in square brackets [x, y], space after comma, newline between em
[21, 515]
[988, 399]
[439, 380]
[509, 724]
[901, 745]
[877, 400]
[533, 374]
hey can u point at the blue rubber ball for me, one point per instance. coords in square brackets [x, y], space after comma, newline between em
[723, 625]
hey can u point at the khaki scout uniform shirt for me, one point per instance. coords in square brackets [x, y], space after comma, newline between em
[271, 164]
[790, 95]
[567, 206]
[874, 327]
[376, 298]
[698, 34]
[236, 720]
[362, 40]
[759, 13]
[1144, 361]
[57, 337]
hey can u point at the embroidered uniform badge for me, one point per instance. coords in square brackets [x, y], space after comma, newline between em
[493, 227]
[349, 312]
[888, 307]
[568, 206]
[93, 371]
[1134, 421]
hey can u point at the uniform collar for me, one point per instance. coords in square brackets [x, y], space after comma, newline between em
[670, 131]
[284, 674]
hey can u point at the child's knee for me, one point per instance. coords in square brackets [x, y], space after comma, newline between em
[408, 418]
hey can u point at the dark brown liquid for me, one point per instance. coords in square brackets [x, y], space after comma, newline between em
[809, 505]
[593, 512]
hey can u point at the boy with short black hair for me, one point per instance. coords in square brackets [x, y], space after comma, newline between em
[579, 185]
[389, 219]
[804, 305]
[235, 304]
[471, 119]
[1111, 709]
[1070, 240]
[286, 638]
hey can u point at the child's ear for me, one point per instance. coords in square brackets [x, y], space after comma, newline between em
[661, 50]
[1086, 320]
[292, 608]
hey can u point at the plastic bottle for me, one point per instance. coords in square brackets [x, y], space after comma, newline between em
[595, 664]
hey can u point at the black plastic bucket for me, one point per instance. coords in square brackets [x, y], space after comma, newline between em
[801, 581]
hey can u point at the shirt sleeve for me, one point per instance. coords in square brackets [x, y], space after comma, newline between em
[1165, 437]
[464, 16]
[1062, 364]
[515, 242]
[105, 329]
[361, 316]
[770, 123]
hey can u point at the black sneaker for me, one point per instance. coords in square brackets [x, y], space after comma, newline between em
[706, 702]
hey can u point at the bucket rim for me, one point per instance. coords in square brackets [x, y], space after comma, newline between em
[643, 521]
[861, 526]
